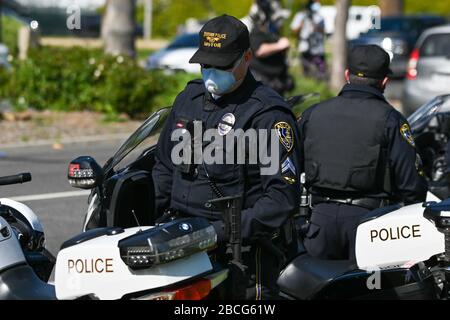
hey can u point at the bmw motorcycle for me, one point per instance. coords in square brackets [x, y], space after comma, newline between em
[430, 126]
[402, 252]
[108, 263]
[25, 264]
[390, 249]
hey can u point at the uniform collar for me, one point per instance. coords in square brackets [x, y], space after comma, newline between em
[362, 91]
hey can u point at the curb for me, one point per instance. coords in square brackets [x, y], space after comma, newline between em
[41, 143]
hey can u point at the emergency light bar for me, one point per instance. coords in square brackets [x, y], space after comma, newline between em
[169, 242]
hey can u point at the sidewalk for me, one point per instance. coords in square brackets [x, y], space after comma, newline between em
[69, 42]
[59, 128]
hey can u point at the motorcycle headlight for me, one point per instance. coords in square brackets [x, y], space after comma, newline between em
[166, 243]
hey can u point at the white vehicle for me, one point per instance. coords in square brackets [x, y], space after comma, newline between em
[167, 262]
[176, 56]
[25, 264]
[360, 19]
[105, 264]
[402, 253]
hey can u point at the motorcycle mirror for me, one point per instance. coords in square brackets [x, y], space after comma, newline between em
[85, 173]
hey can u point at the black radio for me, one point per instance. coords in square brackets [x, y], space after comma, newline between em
[188, 167]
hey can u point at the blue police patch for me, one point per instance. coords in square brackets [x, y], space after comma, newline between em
[407, 134]
[286, 135]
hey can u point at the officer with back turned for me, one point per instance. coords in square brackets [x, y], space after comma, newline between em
[358, 155]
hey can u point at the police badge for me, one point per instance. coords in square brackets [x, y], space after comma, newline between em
[226, 124]
[286, 135]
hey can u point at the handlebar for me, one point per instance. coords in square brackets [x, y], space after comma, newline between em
[17, 179]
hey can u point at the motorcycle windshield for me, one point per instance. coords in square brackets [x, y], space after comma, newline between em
[420, 119]
[141, 140]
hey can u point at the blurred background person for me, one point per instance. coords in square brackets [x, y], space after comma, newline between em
[270, 64]
[261, 8]
[309, 28]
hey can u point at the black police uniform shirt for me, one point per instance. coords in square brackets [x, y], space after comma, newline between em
[268, 200]
[363, 102]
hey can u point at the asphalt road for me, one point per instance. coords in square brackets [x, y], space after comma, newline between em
[61, 217]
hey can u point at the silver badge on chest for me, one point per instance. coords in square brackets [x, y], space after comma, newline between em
[226, 124]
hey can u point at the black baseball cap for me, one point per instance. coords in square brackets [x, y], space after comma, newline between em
[222, 41]
[369, 61]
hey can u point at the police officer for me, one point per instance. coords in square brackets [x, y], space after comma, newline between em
[358, 155]
[229, 98]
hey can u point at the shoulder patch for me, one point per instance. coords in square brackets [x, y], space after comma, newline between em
[406, 133]
[286, 135]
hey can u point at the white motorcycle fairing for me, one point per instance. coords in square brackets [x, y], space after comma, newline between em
[95, 268]
[399, 239]
[26, 212]
[12, 253]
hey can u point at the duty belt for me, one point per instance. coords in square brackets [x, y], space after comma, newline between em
[367, 203]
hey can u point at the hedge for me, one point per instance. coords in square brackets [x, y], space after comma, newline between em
[84, 79]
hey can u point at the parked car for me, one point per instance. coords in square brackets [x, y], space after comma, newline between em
[429, 69]
[176, 55]
[398, 35]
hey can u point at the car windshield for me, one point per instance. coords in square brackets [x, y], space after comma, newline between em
[144, 138]
[190, 40]
[422, 117]
[436, 45]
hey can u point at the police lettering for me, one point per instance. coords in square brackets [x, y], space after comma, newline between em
[215, 35]
[398, 233]
[90, 265]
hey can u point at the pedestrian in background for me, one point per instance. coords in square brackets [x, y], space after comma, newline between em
[309, 28]
[270, 63]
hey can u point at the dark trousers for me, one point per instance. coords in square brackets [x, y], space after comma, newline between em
[332, 232]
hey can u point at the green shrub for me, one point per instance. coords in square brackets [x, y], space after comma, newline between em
[10, 33]
[83, 79]
[305, 85]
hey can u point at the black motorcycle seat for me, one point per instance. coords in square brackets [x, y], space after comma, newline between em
[21, 283]
[306, 276]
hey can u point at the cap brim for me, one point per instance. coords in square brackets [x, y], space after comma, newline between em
[215, 59]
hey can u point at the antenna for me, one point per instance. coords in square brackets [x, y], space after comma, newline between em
[135, 218]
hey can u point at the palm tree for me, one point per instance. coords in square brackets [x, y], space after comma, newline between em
[340, 45]
[118, 28]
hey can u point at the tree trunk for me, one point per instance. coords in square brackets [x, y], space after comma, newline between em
[391, 7]
[118, 27]
[339, 63]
